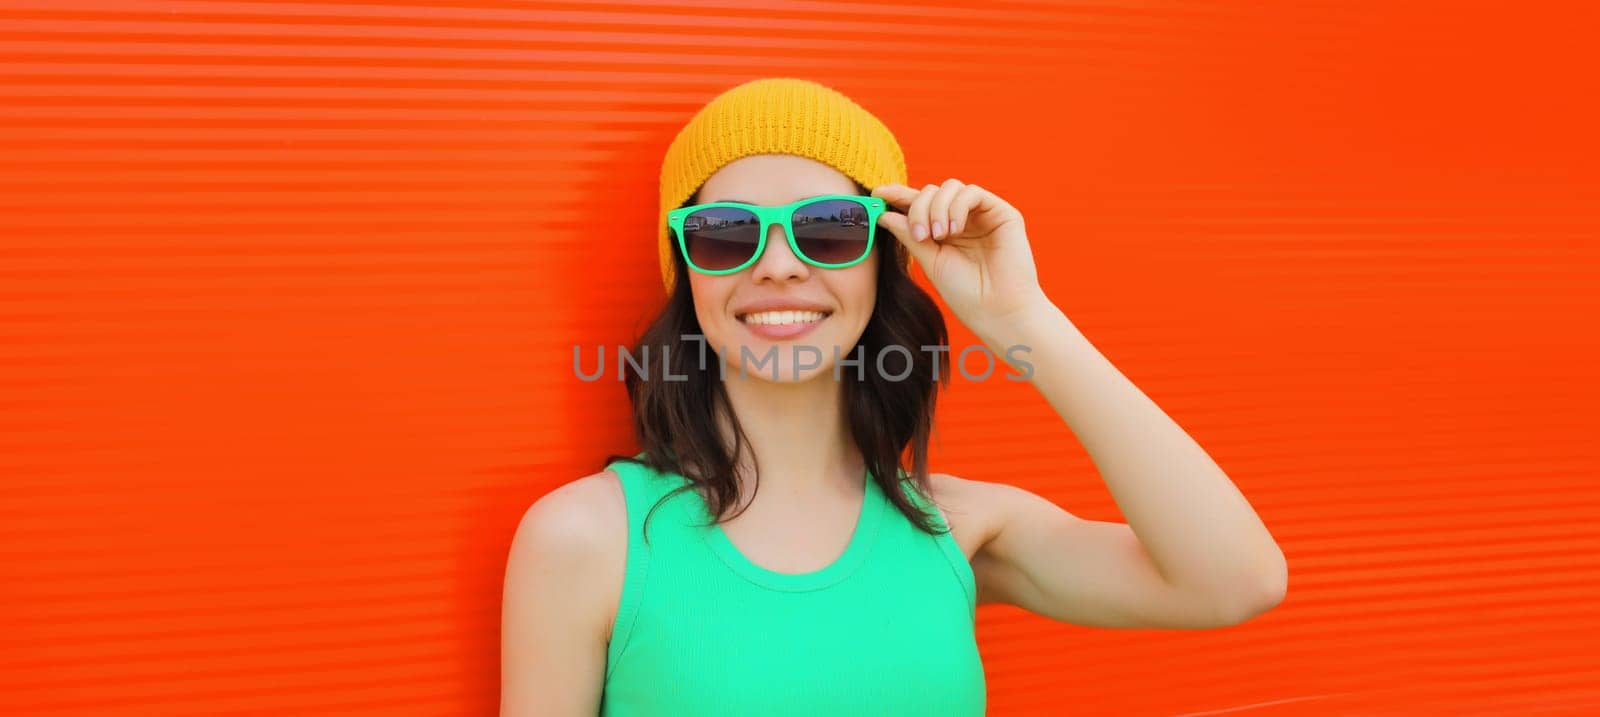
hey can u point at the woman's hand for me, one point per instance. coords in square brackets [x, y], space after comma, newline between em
[973, 247]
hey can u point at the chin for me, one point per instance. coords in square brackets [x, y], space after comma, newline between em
[818, 363]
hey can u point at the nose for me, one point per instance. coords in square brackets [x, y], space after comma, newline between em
[778, 262]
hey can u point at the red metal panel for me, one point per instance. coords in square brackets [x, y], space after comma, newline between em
[288, 295]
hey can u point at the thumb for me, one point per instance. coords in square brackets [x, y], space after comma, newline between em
[898, 225]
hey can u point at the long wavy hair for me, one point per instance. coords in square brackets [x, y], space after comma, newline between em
[675, 424]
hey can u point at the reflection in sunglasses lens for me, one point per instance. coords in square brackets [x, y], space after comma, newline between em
[721, 238]
[832, 231]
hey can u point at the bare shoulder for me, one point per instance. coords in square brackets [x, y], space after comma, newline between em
[562, 581]
[579, 516]
[972, 508]
[579, 532]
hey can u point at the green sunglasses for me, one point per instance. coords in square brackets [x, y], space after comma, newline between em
[831, 231]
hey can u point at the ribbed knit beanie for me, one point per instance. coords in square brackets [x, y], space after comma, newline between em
[776, 115]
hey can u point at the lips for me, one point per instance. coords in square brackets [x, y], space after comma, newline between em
[768, 305]
[782, 318]
[783, 324]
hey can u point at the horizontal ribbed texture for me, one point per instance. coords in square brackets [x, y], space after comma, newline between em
[289, 293]
[883, 628]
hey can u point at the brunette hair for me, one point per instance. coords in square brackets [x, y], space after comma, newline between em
[674, 421]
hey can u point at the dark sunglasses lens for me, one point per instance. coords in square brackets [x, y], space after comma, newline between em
[721, 238]
[832, 231]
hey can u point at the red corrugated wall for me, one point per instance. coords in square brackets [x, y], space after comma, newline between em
[288, 295]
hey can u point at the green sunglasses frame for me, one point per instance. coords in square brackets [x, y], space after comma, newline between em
[782, 215]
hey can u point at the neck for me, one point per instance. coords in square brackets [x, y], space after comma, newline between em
[799, 432]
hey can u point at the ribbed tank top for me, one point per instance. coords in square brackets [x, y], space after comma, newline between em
[884, 630]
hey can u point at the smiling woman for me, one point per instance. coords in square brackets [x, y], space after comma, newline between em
[840, 589]
[777, 544]
[820, 286]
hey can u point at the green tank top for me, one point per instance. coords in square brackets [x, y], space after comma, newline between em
[885, 630]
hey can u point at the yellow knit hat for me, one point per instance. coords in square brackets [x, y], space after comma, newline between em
[776, 115]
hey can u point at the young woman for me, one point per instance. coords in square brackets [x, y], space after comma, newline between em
[766, 551]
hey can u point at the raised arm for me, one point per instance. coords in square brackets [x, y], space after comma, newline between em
[1193, 551]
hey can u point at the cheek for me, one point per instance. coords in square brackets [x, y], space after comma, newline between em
[710, 302]
[858, 293]
[861, 288]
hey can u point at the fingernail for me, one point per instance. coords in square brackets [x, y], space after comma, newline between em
[938, 229]
[919, 231]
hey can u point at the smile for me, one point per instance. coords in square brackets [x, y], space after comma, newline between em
[783, 318]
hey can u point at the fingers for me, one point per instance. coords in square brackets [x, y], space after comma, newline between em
[937, 211]
[917, 214]
[922, 251]
[965, 200]
[899, 225]
[939, 208]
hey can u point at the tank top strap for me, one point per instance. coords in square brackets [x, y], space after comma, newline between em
[947, 543]
[669, 530]
[643, 489]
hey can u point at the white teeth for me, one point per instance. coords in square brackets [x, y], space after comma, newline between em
[783, 317]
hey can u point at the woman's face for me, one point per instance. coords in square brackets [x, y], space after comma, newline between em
[727, 305]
